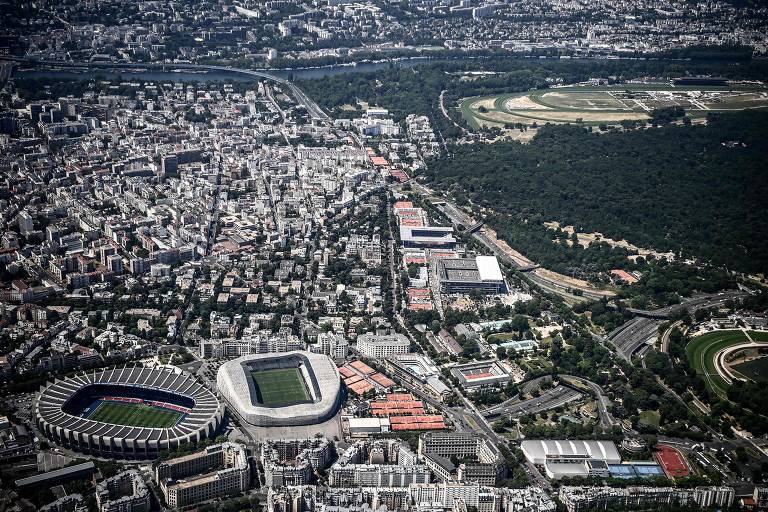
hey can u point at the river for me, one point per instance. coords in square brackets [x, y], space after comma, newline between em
[212, 76]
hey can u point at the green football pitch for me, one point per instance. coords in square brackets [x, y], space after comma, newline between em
[280, 387]
[134, 415]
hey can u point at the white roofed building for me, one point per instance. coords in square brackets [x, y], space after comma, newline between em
[463, 275]
[538, 451]
[566, 458]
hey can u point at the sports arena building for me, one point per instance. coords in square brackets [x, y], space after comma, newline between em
[288, 389]
[573, 458]
[481, 374]
[128, 412]
[463, 275]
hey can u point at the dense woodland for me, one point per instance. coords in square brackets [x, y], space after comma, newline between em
[698, 191]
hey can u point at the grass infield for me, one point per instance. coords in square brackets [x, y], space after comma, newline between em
[756, 370]
[701, 354]
[603, 105]
[280, 387]
[134, 415]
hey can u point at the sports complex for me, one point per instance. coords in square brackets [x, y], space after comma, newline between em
[128, 412]
[720, 357]
[593, 105]
[286, 389]
[672, 461]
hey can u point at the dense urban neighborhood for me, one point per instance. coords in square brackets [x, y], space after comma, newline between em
[405, 256]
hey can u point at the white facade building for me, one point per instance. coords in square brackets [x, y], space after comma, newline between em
[382, 345]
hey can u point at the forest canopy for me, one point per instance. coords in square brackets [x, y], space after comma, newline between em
[699, 191]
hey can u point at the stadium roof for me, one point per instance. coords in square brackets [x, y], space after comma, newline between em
[488, 266]
[320, 375]
[484, 269]
[442, 235]
[50, 404]
[537, 451]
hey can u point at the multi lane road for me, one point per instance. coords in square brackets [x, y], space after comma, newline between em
[637, 335]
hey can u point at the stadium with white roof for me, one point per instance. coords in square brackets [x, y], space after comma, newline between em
[286, 389]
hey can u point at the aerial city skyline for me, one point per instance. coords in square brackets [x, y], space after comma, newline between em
[391, 256]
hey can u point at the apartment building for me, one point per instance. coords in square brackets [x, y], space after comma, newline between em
[217, 471]
[124, 492]
[382, 345]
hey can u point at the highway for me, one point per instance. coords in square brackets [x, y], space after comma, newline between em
[691, 304]
[300, 96]
[634, 335]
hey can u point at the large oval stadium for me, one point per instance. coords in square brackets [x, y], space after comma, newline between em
[291, 388]
[129, 412]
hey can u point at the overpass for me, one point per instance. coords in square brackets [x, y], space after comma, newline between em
[300, 96]
[691, 304]
[638, 334]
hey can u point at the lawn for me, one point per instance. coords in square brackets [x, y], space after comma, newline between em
[650, 418]
[134, 415]
[275, 388]
[500, 337]
[756, 370]
[701, 352]
[759, 335]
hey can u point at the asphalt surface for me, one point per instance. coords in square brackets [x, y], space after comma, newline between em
[549, 399]
[633, 335]
[639, 333]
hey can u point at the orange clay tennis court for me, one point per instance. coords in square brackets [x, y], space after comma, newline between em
[672, 461]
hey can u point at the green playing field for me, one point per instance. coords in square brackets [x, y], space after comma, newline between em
[134, 415]
[275, 388]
